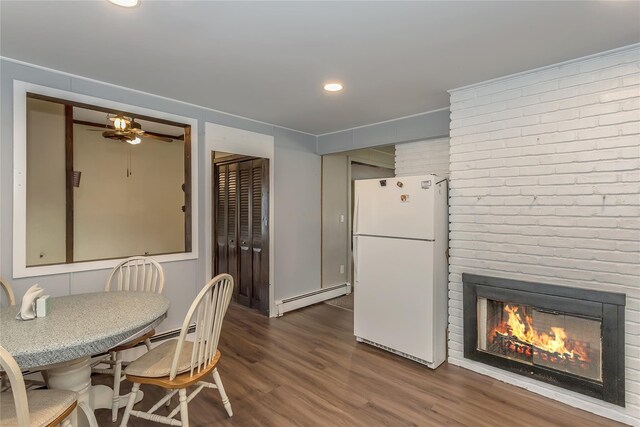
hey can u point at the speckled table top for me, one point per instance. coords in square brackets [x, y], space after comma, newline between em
[79, 325]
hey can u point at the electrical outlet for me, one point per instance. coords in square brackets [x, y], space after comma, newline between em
[342, 269]
[341, 218]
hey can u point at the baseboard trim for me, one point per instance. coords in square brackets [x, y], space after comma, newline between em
[162, 336]
[304, 300]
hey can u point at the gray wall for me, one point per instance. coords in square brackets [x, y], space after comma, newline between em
[297, 214]
[335, 202]
[297, 176]
[297, 169]
[433, 124]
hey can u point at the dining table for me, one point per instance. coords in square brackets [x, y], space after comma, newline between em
[80, 326]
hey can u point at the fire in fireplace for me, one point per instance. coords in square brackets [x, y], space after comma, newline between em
[572, 338]
[521, 332]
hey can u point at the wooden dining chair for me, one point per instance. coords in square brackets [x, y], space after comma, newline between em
[33, 408]
[9, 297]
[135, 274]
[177, 364]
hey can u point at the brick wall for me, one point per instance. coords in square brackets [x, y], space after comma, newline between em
[545, 186]
[423, 157]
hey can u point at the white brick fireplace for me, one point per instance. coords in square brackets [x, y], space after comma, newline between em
[545, 187]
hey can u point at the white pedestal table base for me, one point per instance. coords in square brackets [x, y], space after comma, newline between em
[76, 376]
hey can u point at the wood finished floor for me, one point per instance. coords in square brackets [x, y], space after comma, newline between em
[306, 369]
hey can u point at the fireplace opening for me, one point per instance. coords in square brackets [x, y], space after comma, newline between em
[568, 337]
[537, 337]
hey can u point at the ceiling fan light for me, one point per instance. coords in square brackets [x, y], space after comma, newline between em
[125, 3]
[135, 141]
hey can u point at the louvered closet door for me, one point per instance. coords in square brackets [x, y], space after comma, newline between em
[226, 219]
[242, 229]
[221, 192]
[243, 287]
[260, 235]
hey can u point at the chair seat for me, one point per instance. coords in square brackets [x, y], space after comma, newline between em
[134, 342]
[180, 381]
[157, 362]
[45, 407]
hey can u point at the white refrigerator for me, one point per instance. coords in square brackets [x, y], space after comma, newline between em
[400, 239]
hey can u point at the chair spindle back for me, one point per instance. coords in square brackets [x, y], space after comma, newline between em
[137, 273]
[207, 311]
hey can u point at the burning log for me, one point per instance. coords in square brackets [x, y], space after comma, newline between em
[512, 347]
[540, 342]
[517, 338]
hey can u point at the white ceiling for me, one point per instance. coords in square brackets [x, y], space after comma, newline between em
[268, 60]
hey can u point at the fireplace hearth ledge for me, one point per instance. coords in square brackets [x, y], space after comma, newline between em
[576, 400]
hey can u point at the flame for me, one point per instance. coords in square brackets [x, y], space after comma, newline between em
[554, 341]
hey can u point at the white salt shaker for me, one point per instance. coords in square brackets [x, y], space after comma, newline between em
[43, 305]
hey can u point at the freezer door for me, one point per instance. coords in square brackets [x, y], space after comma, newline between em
[395, 207]
[393, 302]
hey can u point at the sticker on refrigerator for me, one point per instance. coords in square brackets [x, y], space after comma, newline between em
[425, 184]
[404, 198]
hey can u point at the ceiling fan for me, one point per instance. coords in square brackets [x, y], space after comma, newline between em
[128, 130]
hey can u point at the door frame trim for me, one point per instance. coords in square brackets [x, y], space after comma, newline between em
[246, 143]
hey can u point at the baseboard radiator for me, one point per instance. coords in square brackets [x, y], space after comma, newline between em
[282, 306]
[156, 339]
[300, 301]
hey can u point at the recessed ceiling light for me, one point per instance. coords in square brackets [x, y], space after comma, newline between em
[333, 87]
[126, 3]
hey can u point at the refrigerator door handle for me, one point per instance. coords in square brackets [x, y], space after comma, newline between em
[355, 214]
[356, 271]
